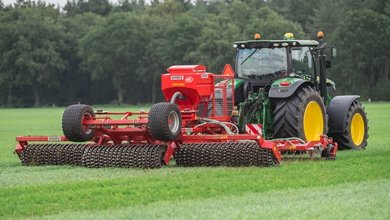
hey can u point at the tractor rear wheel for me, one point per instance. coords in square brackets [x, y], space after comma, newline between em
[164, 121]
[356, 129]
[301, 115]
[72, 123]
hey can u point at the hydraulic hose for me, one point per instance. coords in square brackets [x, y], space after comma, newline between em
[175, 96]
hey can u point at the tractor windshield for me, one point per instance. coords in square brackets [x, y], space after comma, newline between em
[302, 61]
[259, 62]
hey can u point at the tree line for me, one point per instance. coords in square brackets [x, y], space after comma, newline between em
[93, 51]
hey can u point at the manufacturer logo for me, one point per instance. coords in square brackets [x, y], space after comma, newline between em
[54, 138]
[189, 79]
[204, 76]
[177, 77]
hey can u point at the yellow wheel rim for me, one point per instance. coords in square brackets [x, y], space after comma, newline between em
[357, 129]
[313, 121]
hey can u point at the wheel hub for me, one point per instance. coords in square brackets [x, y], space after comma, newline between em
[313, 121]
[357, 129]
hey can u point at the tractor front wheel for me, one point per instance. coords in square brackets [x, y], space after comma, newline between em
[355, 134]
[164, 121]
[72, 123]
[301, 115]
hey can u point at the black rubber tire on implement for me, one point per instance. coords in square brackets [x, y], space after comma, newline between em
[325, 154]
[288, 114]
[345, 140]
[164, 121]
[72, 123]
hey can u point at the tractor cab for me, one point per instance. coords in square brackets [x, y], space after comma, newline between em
[262, 59]
[259, 63]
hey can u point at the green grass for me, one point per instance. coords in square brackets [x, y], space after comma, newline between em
[354, 186]
[312, 203]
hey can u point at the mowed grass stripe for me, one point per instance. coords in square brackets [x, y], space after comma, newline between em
[197, 184]
[365, 200]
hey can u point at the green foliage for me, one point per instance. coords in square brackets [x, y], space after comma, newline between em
[101, 7]
[92, 51]
[114, 47]
[31, 46]
[326, 18]
[296, 10]
[363, 39]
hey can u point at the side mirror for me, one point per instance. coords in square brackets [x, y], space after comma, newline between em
[333, 52]
[328, 64]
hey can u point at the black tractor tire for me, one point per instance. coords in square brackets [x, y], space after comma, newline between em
[289, 115]
[164, 121]
[72, 123]
[355, 135]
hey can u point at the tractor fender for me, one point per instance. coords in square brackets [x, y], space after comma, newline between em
[278, 91]
[337, 112]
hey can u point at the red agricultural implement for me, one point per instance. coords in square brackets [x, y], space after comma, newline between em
[197, 126]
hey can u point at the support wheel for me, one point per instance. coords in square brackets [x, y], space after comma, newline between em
[326, 153]
[356, 129]
[72, 123]
[164, 121]
[301, 115]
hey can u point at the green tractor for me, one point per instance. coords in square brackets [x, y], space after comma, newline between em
[282, 85]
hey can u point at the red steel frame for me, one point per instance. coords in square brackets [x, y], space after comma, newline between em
[132, 126]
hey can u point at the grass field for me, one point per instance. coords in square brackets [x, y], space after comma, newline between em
[354, 186]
